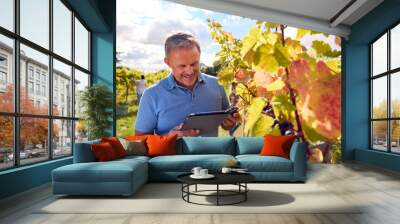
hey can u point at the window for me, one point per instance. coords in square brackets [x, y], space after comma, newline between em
[44, 91]
[385, 97]
[3, 71]
[30, 87]
[38, 89]
[7, 14]
[30, 72]
[54, 125]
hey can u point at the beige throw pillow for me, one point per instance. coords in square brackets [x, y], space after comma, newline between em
[134, 147]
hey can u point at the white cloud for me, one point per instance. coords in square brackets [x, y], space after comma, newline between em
[143, 26]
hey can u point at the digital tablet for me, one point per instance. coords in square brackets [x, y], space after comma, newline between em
[206, 122]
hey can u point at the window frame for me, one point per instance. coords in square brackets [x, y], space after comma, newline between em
[16, 114]
[388, 74]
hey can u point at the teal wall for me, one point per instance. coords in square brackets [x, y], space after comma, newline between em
[99, 16]
[356, 99]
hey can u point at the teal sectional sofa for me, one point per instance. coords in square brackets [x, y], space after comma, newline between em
[125, 176]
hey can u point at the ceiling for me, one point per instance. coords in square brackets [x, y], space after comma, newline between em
[330, 16]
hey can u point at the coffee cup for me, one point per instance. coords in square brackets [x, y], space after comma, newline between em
[196, 170]
[226, 170]
[203, 172]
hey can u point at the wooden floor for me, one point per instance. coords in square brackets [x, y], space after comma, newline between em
[377, 188]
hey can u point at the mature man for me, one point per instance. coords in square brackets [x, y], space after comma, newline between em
[164, 106]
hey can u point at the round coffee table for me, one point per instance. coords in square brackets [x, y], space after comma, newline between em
[238, 179]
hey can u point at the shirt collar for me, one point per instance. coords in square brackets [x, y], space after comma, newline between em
[171, 83]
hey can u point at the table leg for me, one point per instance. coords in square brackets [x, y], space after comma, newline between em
[245, 193]
[217, 194]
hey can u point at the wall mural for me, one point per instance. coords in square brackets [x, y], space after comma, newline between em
[280, 85]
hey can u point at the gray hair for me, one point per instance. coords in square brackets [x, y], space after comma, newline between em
[180, 40]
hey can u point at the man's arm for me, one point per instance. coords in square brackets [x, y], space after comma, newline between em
[146, 119]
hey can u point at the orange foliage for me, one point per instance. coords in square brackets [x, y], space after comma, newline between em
[33, 130]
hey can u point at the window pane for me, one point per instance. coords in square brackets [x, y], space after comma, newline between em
[7, 14]
[34, 72]
[81, 131]
[35, 21]
[81, 45]
[379, 55]
[62, 138]
[62, 89]
[81, 81]
[62, 29]
[33, 139]
[6, 74]
[379, 98]
[395, 47]
[379, 135]
[395, 129]
[395, 94]
[6, 142]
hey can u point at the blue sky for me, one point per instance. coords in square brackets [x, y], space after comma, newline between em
[142, 27]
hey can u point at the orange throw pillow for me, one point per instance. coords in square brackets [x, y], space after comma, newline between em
[277, 145]
[103, 152]
[161, 145]
[116, 145]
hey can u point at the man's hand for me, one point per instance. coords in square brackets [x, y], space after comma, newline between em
[181, 133]
[231, 121]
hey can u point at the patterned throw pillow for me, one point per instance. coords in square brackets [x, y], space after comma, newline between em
[134, 147]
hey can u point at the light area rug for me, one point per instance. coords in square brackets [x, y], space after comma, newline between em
[166, 198]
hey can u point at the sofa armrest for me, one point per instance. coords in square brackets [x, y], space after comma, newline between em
[298, 157]
[83, 152]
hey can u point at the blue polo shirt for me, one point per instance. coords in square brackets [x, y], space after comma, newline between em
[165, 105]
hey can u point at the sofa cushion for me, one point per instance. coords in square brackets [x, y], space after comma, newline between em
[111, 171]
[209, 145]
[257, 163]
[249, 145]
[116, 145]
[161, 145]
[277, 145]
[185, 163]
[103, 152]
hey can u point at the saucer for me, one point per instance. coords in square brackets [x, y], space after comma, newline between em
[208, 176]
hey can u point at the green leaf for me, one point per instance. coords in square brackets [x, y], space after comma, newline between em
[334, 65]
[301, 33]
[276, 85]
[282, 104]
[263, 126]
[266, 62]
[323, 49]
[281, 55]
[311, 134]
[253, 114]
[249, 41]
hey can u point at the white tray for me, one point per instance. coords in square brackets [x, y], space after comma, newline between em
[208, 176]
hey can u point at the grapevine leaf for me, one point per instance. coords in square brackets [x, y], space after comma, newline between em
[282, 103]
[334, 65]
[311, 134]
[253, 113]
[301, 33]
[263, 126]
[266, 62]
[323, 49]
[276, 85]
[281, 55]
[249, 41]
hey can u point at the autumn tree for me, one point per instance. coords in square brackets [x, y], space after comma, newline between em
[32, 130]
